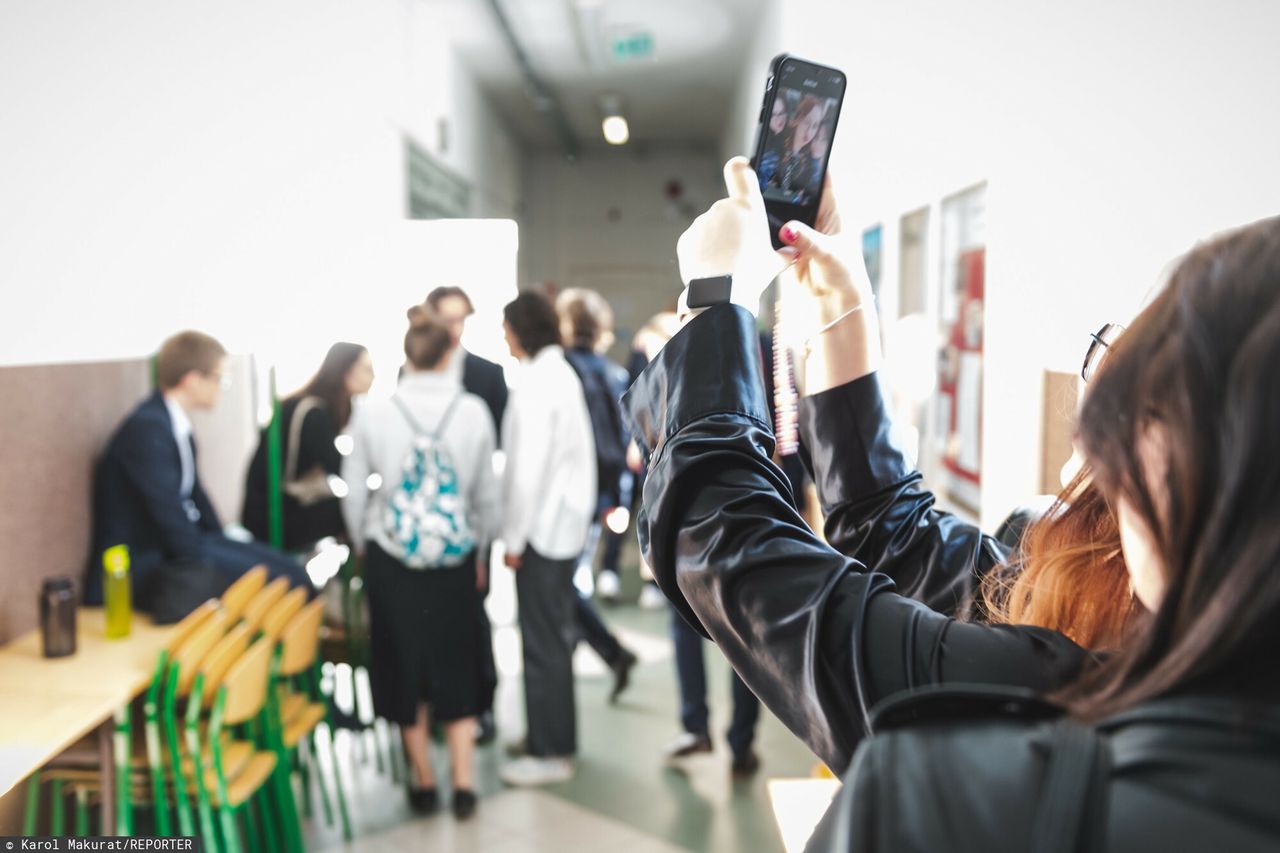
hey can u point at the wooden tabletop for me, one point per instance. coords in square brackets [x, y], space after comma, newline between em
[798, 806]
[47, 704]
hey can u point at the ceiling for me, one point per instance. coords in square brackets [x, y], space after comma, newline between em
[677, 92]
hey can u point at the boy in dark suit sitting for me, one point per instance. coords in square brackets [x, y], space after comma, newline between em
[147, 492]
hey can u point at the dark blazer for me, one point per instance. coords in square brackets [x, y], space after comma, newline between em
[487, 381]
[136, 500]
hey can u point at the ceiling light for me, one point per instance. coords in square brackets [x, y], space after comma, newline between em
[615, 130]
[614, 123]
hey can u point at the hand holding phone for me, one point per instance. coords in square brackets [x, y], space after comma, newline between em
[723, 246]
[798, 119]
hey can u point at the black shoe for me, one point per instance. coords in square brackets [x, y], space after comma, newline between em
[688, 744]
[487, 731]
[344, 720]
[464, 803]
[424, 800]
[621, 674]
[746, 765]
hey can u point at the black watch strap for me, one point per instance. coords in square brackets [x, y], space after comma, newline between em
[705, 292]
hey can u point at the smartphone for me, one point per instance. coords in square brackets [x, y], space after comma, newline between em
[798, 119]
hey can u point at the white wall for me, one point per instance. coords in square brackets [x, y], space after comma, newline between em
[435, 88]
[228, 167]
[237, 168]
[569, 239]
[1113, 135]
[739, 134]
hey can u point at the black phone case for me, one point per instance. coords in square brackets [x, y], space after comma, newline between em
[778, 213]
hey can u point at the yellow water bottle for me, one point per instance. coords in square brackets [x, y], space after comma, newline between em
[115, 566]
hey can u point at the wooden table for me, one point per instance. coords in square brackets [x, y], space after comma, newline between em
[47, 704]
[798, 806]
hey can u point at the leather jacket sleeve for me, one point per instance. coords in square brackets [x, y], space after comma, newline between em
[877, 509]
[816, 635]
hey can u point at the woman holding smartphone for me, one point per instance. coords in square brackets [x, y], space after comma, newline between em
[1164, 733]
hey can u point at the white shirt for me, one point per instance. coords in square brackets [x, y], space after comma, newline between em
[550, 488]
[457, 360]
[382, 437]
[182, 435]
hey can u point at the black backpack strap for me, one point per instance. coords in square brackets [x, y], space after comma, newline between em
[1073, 790]
[953, 702]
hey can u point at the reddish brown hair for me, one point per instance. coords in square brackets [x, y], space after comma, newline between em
[1069, 574]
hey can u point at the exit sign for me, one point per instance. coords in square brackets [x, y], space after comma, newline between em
[631, 46]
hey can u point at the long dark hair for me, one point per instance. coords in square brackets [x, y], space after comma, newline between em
[330, 381]
[1183, 427]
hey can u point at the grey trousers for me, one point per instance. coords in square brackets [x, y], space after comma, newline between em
[549, 632]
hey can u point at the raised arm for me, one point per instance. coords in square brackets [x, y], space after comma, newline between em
[877, 508]
[814, 634]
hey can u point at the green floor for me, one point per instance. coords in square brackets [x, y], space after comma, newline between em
[622, 776]
[695, 805]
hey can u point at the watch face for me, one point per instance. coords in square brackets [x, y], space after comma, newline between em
[705, 292]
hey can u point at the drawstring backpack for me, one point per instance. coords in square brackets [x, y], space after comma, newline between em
[425, 516]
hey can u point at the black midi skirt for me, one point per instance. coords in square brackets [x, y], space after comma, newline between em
[425, 638]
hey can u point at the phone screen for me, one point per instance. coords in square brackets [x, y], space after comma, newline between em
[798, 123]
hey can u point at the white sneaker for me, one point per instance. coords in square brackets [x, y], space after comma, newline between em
[608, 586]
[651, 598]
[530, 771]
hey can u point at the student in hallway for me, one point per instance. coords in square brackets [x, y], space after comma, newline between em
[147, 490]
[311, 420]
[487, 381]
[419, 532]
[586, 327]
[477, 375]
[550, 495]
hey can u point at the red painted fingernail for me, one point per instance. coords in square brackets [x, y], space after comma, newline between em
[788, 235]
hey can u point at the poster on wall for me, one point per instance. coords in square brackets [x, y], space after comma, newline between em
[958, 431]
[871, 239]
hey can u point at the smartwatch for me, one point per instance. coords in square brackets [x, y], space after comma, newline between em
[705, 292]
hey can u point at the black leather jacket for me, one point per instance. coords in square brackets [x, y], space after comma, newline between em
[822, 633]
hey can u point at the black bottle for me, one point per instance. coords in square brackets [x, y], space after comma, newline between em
[58, 617]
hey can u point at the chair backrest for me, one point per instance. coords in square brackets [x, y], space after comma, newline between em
[279, 615]
[193, 620]
[191, 653]
[243, 590]
[220, 658]
[245, 684]
[301, 639]
[256, 610]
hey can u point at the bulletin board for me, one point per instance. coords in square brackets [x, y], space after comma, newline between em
[958, 431]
